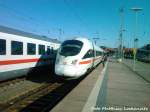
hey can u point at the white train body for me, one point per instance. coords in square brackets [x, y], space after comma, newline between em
[74, 63]
[27, 55]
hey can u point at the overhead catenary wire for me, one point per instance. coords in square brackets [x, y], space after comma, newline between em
[23, 17]
[13, 12]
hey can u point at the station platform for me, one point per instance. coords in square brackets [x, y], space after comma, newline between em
[110, 89]
[141, 68]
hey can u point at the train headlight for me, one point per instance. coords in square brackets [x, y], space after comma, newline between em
[74, 62]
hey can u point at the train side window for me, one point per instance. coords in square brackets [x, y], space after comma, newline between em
[31, 49]
[89, 54]
[48, 50]
[16, 48]
[2, 47]
[52, 50]
[98, 53]
[41, 49]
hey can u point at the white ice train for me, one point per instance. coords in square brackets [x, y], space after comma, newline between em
[21, 51]
[76, 57]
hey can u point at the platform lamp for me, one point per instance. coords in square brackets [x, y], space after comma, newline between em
[136, 10]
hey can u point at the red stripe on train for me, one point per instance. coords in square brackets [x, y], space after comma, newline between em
[88, 61]
[85, 62]
[8, 62]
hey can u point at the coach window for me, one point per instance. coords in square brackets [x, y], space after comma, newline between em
[16, 48]
[48, 50]
[41, 49]
[97, 53]
[31, 49]
[100, 53]
[89, 54]
[52, 50]
[2, 47]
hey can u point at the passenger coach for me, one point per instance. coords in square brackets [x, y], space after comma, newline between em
[21, 51]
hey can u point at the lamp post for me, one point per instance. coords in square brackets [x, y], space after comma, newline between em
[136, 10]
[96, 37]
[120, 48]
[95, 40]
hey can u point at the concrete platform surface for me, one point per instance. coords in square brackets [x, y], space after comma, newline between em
[141, 68]
[115, 88]
[76, 99]
[125, 89]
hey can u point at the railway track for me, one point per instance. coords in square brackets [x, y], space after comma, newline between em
[41, 99]
[5, 84]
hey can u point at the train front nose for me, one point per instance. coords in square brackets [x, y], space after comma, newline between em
[65, 70]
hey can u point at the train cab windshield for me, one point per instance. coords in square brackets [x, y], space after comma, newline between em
[71, 48]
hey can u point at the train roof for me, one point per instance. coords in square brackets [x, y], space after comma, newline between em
[8, 30]
[87, 40]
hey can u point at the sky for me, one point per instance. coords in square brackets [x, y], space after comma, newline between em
[65, 19]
